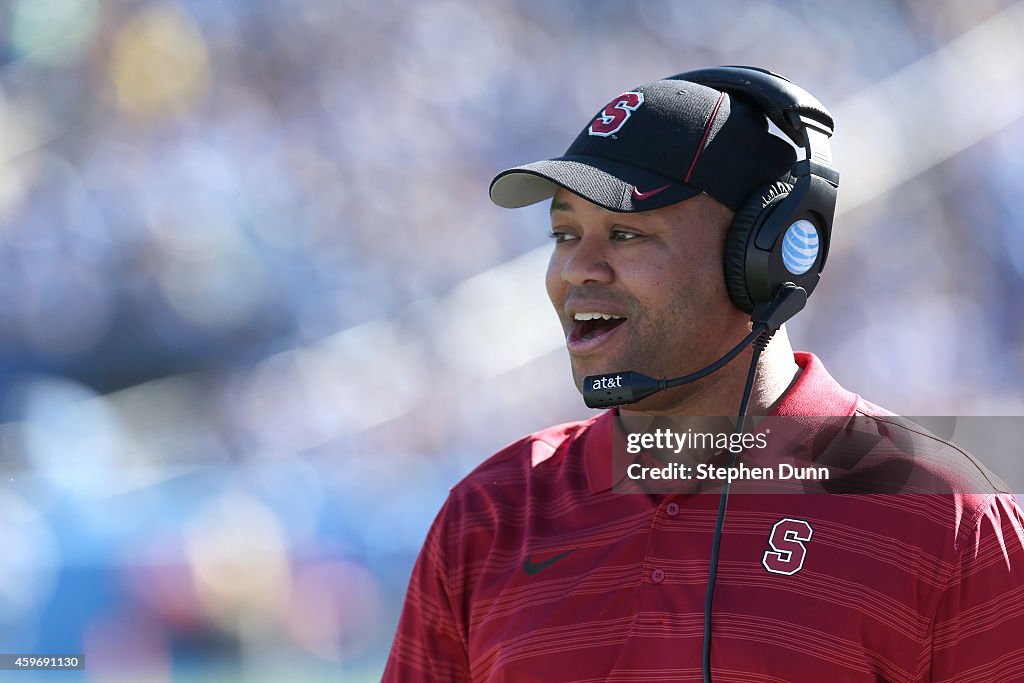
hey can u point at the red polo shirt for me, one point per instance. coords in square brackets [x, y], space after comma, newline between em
[535, 571]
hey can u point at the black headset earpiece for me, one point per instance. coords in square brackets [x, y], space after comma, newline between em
[748, 219]
[781, 234]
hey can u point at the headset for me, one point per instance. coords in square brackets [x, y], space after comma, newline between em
[775, 250]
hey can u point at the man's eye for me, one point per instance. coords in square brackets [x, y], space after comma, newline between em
[560, 236]
[623, 235]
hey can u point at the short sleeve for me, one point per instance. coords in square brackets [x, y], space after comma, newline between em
[978, 634]
[430, 644]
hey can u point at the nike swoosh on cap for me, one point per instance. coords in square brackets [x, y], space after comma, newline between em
[531, 568]
[637, 194]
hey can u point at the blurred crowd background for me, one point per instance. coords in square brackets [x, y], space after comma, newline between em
[259, 314]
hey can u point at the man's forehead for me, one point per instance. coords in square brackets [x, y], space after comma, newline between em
[560, 206]
[563, 201]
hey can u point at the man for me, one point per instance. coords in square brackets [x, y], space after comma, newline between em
[538, 569]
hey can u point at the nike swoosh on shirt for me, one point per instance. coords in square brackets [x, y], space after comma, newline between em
[638, 195]
[531, 568]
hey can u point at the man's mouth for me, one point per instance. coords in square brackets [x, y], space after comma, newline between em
[590, 329]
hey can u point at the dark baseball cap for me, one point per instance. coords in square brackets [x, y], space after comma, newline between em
[655, 145]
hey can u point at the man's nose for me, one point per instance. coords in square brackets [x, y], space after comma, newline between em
[588, 262]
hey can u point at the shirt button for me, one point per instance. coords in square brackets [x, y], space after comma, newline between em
[658, 575]
[672, 509]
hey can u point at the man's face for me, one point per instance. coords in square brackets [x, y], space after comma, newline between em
[657, 273]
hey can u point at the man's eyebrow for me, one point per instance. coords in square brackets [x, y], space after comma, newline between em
[561, 206]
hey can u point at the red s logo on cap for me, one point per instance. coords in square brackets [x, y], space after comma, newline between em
[615, 115]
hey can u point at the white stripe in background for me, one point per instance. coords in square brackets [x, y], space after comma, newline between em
[931, 110]
[487, 325]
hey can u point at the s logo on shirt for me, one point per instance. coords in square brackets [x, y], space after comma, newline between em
[787, 549]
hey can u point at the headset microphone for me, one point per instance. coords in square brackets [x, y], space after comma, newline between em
[621, 388]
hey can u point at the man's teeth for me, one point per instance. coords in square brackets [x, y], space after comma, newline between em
[597, 316]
